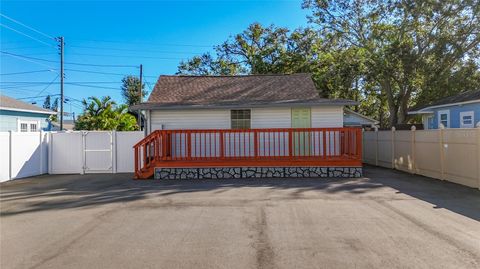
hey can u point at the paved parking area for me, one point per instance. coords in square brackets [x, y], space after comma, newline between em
[388, 219]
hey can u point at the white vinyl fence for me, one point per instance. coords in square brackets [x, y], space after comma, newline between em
[36, 153]
[446, 154]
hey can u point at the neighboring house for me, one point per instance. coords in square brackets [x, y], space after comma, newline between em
[240, 102]
[355, 119]
[459, 111]
[18, 116]
[68, 125]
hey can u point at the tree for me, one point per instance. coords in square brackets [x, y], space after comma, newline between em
[46, 103]
[205, 64]
[131, 90]
[105, 114]
[411, 46]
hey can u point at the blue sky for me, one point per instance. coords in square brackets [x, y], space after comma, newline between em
[157, 34]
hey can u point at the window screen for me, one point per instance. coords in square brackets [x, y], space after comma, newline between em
[240, 118]
[23, 127]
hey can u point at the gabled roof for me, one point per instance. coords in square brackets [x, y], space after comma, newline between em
[462, 98]
[349, 111]
[9, 103]
[176, 92]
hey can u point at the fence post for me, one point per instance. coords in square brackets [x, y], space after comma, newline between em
[376, 145]
[441, 128]
[478, 154]
[10, 155]
[393, 147]
[113, 151]
[41, 151]
[413, 129]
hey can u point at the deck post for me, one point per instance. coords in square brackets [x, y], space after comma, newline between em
[290, 143]
[189, 145]
[255, 143]
[222, 153]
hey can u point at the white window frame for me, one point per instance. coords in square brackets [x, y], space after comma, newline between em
[28, 123]
[467, 113]
[444, 112]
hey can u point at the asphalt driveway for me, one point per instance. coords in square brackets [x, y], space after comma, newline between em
[388, 219]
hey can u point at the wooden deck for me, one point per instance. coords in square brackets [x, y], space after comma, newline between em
[286, 147]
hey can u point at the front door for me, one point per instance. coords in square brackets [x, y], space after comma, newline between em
[301, 140]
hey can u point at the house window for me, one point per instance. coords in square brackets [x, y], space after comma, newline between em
[28, 126]
[240, 118]
[23, 127]
[444, 118]
[466, 119]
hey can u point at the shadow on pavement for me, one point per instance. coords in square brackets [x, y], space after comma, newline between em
[56, 192]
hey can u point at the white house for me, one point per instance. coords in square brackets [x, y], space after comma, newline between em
[239, 102]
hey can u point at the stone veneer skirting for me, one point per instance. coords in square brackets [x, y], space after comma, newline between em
[256, 172]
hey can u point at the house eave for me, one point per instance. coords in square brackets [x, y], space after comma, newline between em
[28, 110]
[157, 106]
[426, 110]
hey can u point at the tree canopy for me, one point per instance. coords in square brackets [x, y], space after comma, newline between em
[105, 114]
[131, 90]
[390, 55]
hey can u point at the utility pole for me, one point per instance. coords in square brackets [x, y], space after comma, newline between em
[140, 97]
[62, 98]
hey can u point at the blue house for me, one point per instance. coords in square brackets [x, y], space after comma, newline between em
[459, 111]
[18, 116]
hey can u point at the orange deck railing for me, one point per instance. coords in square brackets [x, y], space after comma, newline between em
[251, 147]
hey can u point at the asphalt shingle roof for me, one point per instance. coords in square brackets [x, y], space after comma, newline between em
[9, 103]
[225, 91]
[462, 97]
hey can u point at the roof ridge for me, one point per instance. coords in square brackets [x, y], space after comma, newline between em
[246, 75]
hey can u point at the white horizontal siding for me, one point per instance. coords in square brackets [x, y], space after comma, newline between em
[327, 116]
[271, 117]
[261, 118]
[190, 119]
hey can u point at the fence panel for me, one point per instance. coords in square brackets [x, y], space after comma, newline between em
[4, 156]
[124, 156]
[403, 155]
[370, 147]
[385, 150]
[447, 154]
[66, 153]
[460, 150]
[98, 152]
[428, 153]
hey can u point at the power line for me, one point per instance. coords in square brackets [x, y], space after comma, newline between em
[126, 56]
[71, 63]
[93, 86]
[31, 37]
[46, 82]
[28, 59]
[36, 97]
[26, 26]
[135, 50]
[150, 44]
[26, 72]
[50, 84]
[95, 72]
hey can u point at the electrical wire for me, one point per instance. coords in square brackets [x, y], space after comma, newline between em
[28, 59]
[31, 37]
[150, 44]
[50, 84]
[135, 50]
[71, 63]
[26, 72]
[26, 26]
